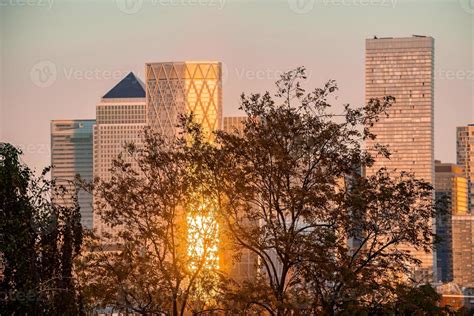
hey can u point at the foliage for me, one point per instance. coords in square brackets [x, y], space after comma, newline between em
[39, 240]
[292, 191]
[142, 260]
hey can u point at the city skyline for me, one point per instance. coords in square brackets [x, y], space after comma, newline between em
[254, 68]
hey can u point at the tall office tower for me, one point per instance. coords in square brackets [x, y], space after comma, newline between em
[121, 118]
[175, 88]
[71, 155]
[234, 123]
[246, 267]
[404, 68]
[455, 252]
[465, 157]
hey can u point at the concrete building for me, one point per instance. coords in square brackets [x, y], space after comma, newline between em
[465, 157]
[404, 68]
[455, 252]
[71, 155]
[121, 119]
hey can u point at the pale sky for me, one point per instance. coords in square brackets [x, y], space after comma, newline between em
[85, 47]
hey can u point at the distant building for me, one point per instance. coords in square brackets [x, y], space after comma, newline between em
[71, 155]
[246, 267]
[121, 119]
[404, 68]
[234, 123]
[465, 157]
[455, 227]
[175, 88]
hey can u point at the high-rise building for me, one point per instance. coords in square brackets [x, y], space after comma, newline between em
[465, 157]
[404, 68]
[190, 87]
[234, 123]
[454, 225]
[246, 267]
[120, 119]
[175, 88]
[71, 155]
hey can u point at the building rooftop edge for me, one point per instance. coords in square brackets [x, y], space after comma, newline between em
[184, 62]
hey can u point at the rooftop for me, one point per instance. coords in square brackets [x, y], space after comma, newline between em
[128, 87]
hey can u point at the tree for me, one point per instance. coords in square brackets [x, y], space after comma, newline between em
[291, 191]
[158, 255]
[39, 239]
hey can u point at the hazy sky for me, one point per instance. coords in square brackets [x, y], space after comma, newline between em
[59, 57]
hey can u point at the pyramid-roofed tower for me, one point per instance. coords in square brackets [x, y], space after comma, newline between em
[129, 87]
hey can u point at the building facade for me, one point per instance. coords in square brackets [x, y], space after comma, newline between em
[120, 119]
[465, 157]
[72, 155]
[245, 268]
[175, 88]
[404, 68]
[454, 226]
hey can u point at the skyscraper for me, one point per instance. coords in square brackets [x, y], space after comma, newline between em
[465, 157]
[175, 88]
[404, 68]
[71, 155]
[234, 123]
[245, 268]
[121, 118]
[455, 251]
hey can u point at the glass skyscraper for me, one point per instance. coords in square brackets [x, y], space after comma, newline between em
[465, 157]
[175, 88]
[454, 226]
[71, 155]
[404, 68]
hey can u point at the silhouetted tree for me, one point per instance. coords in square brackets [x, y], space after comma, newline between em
[142, 261]
[292, 191]
[39, 240]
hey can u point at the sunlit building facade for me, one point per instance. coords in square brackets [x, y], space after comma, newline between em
[404, 68]
[465, 157]
[189, 87]
[120, 119]
[175, 88]
[454, 226]
[71, 156]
